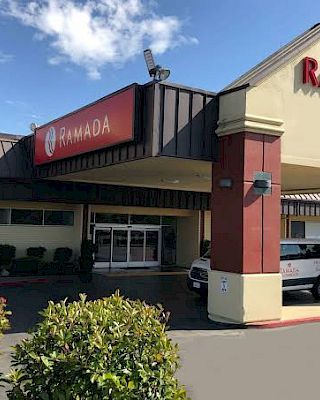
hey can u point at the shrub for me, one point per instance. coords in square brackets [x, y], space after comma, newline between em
[7, 254]
[36, 252]
[110, 348]
[62, 255]
[205, 246]
[4, 322]
[25, 265]
[86, 260]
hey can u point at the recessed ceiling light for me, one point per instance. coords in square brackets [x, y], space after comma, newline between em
[170, 180]
[204, 177]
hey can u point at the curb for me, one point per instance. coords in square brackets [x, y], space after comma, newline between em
[21, 282]
[285, 323]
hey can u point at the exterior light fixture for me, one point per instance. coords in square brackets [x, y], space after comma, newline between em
[262, 183]
[33, 126]
[225, 183]
[155, 71]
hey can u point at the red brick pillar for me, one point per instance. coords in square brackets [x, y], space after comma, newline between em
[245, 284]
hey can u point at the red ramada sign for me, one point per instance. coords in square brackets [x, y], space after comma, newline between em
[310, 68]
[105, 123]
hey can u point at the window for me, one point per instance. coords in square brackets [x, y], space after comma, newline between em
[26, 217]
[102, 218]
[145, 219]
[4, 215]
[58, 217]
[313, 251]
[292, 251]
[298, 229]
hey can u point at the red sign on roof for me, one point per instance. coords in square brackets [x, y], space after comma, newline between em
[105, 123]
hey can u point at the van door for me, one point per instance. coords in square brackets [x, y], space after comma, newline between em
[299, 265]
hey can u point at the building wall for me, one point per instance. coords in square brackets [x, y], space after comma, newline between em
[188, 239]
[207, 225]
[312, 225]
[50, 237]
[283, 96]
[283, 227]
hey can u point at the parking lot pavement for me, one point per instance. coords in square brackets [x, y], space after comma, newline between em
[218, 361]
[187, 310]
[250, 364]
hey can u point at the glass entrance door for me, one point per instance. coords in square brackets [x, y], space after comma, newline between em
[127, 247]
[119, 248]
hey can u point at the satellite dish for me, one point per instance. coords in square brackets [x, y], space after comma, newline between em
[33, 126]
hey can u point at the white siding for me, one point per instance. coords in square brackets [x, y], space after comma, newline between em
[312, 230]
[50, 237]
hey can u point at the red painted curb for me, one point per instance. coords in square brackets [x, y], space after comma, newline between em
[280, 324]
[20, 283]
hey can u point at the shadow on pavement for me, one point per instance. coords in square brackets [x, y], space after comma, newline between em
[187, 310]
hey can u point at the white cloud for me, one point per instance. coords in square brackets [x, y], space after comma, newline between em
[4, 57]
[93, 33]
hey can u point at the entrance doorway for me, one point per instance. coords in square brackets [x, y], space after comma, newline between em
[127, 247]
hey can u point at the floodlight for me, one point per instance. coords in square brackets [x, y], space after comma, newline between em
[150, 62]
[163, 74]
[33, 126]
[155, 71]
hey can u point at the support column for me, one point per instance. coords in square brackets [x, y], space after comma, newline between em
[244, 282]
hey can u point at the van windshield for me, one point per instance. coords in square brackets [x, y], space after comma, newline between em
[207, 254]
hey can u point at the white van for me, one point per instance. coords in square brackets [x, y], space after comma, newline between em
[299, 266]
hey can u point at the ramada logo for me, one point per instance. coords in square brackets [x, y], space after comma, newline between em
[50, 142]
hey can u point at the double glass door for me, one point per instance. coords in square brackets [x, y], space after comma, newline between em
[127, 247]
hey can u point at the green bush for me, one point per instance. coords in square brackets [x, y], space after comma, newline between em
[62, 255]
[36, 252]
[4, 322]
[86, 260]
[205, 246]
[25, 265]
[7, 254]
[111, 348]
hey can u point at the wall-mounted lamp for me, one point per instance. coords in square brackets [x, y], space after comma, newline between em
[262, 183]
[225, 183]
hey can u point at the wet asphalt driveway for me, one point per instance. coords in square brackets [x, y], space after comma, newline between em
[212, 355]
[187, 310]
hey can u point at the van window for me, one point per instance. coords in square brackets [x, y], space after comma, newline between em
[290, 252]
[313, 251]
[299, 251]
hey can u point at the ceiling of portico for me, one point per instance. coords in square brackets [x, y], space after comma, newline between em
[156, 172]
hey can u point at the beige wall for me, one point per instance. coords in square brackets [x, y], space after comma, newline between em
[188, 239]
[50, 237]
[283, 95]
[244, 298]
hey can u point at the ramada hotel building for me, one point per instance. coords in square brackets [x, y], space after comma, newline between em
[141, 172]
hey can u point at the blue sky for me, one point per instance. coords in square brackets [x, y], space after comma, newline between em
[58, 55]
